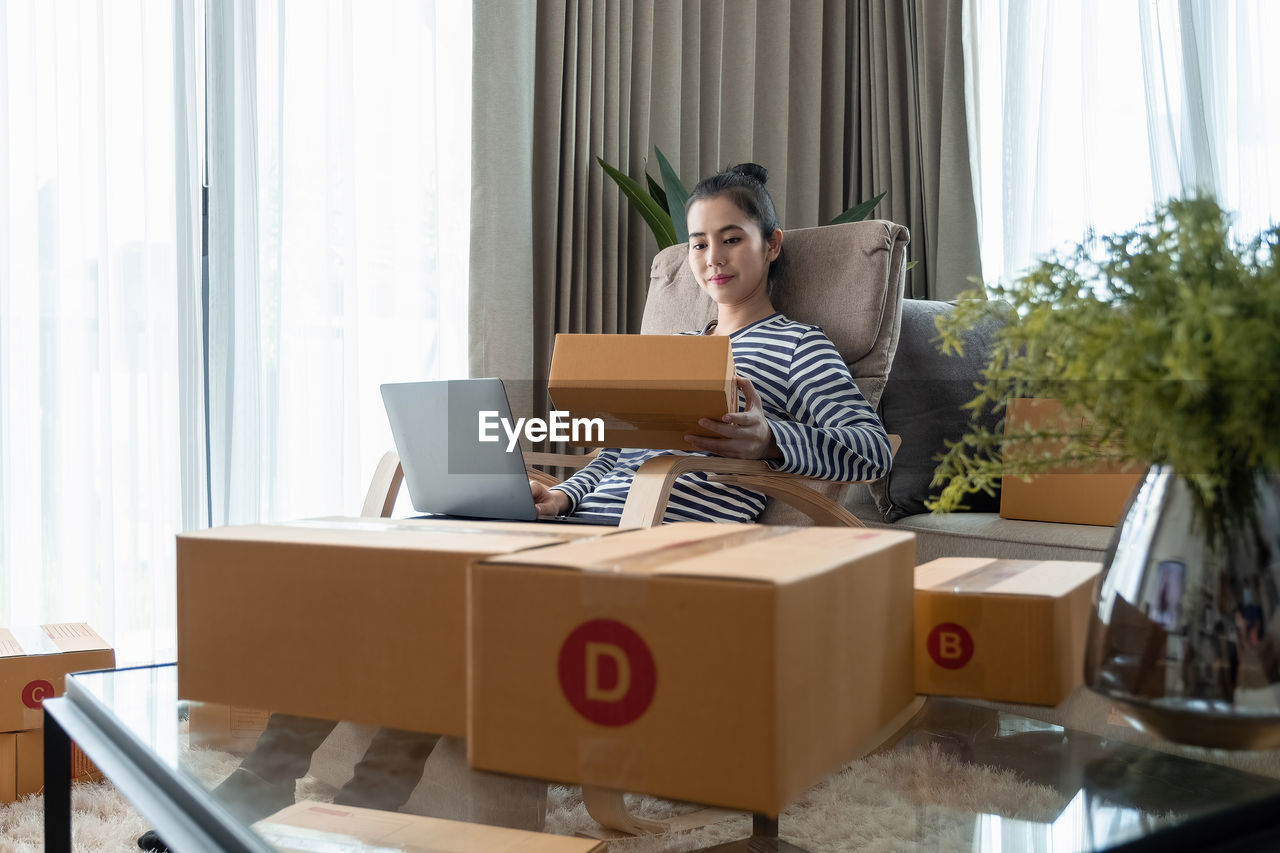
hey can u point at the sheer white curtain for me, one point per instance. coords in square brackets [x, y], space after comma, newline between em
[1085, 113]
[1212, 103]
[98, 315]
[339, 202]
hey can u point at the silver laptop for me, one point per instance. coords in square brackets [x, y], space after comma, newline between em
[448, 469]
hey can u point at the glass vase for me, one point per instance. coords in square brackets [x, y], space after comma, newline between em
[1185, 632]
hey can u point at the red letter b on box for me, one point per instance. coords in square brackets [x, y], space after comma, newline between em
[950, 645]
[607, 672]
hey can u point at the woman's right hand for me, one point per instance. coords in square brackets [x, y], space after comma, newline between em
[548, 502]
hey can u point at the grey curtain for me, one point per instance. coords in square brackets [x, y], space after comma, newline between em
[838, 99]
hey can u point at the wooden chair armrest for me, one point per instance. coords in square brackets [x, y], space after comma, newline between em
[647, 501]
[380, 500]
[560, 460]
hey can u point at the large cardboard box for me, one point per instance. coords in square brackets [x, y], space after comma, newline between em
[650, 390]
[1093, 494]
[309, 826]
[343, 619]
[34, 662]
[22, 765]
[731, 665]
[1004, 630]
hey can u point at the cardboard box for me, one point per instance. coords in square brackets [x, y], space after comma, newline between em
[1003, 630]
[229, 728]
[34, 662]
[22, 765]
[342, 619]
[731, 665]
[649, 390]
[1093, 494]
[309, 826]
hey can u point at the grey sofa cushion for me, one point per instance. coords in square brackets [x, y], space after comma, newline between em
[985, 534]
[922, 404]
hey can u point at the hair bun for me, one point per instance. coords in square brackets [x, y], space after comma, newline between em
[751, 170]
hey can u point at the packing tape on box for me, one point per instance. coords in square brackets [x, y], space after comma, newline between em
[988, 576]
[643, 561]
[378, 525]
[603, 594]
[600, 590]
[603, 759]
[27, 640]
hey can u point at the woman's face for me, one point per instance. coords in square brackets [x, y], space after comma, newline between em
[728, 256]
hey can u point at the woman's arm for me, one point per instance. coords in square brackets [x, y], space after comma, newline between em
[832, 433]
[835, 434]
[584, 482]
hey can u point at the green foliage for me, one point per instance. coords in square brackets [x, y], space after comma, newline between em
[676, 196]
[860, 211]
[656, 204]
[1166, 338]
[654, 213]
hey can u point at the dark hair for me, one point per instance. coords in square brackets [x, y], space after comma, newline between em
[743, 184]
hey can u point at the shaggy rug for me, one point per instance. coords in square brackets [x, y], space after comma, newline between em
[871, 805]
[910, 798]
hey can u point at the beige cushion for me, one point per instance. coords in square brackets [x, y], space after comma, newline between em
[848, 279]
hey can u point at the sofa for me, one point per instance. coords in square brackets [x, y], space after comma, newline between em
[921, 403]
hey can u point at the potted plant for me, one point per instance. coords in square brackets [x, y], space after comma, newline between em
[1165, 339]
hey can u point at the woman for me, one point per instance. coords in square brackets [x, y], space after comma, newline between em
[800, 410]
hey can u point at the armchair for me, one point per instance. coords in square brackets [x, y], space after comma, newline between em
[847, 278]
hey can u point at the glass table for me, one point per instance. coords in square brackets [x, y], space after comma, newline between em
[1111, 794]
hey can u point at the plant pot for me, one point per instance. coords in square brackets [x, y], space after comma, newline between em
[1185, 632]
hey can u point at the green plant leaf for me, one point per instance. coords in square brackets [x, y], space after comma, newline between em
[858, 212]
[677, 195]
[659, 220]
[658, 193]
[1162, 337]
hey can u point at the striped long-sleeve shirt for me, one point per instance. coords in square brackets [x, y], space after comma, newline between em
[819, 418]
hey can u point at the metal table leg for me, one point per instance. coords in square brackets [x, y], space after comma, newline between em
[57, 787]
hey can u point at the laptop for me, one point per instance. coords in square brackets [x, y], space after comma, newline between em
[449, 471]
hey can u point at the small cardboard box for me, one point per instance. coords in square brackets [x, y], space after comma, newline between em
[1094, 494]
[229, 728]
[22, 765]
[342, 619]
[309, 826]
[650, 390]
[731, 665]
[34, 662]
[1003, 630]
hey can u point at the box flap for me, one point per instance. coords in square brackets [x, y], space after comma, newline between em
[605, 552]
[53, 639]
[313, 826]
[405, 534]
[1050, 578]
[769, 554]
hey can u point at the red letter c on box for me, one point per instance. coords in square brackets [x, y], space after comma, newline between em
[607, 672]
[34, 694]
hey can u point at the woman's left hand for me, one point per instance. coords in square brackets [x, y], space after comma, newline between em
[746, 434]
